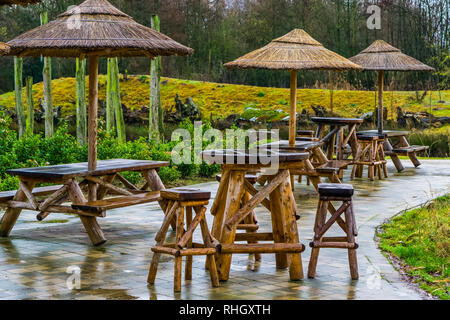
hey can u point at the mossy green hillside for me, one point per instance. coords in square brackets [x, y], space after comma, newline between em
[222, 100]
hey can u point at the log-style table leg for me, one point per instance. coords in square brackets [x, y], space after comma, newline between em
[11, 215]
[395, 159]
[155, 184]
[412, 156]
[232, 205]
[278, 225]
[90, 223]
[291, 230]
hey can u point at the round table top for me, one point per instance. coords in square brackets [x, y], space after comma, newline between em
[344, 121]
[261, 156]
[300, 146]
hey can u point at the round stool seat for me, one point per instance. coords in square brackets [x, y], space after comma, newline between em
[185, 194]
[336, 190]
[252, 178]
[371, 137]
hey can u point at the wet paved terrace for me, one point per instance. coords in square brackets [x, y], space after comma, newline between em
[34, 261]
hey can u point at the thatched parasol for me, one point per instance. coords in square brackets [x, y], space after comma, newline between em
[295, 51]
[4, 48]
[381, 56]
[94, 29]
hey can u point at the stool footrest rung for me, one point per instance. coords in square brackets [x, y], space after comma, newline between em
[334, 239]
[336, 245]
[248, 227]
[254, 236]
[262, 248]
[199, 251]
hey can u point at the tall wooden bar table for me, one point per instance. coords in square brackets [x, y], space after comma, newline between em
[276, 196]
[337, 131]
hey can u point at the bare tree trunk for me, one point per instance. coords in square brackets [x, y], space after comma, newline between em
[120, 123]
[18, 66]
[110, 98]
[81, 101]
[155, 116]
[30, 106]
[48, 95]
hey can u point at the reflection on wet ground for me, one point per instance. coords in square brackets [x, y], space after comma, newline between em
[34, 261]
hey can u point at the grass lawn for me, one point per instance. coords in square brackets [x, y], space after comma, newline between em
[419, 239]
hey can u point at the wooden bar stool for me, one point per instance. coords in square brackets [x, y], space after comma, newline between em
[181, 201]
[335, 192]
[371, 154]
[250, 223]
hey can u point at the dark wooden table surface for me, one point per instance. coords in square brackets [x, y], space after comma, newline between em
[104, 167]
[336, 121]
[388, 133]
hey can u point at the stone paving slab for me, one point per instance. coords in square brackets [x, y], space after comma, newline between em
[34, 260]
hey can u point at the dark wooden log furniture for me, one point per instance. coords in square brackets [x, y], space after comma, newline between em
[181, 203]
[336, 141]
[370, 154]
[250, 223]
[276, 196]
[69, 181]
[335, 192]
[317, 166]
[397, 145]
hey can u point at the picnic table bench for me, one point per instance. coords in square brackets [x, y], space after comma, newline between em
[400, 148]
[69, 181]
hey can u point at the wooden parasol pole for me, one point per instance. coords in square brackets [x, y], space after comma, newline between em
[380, 101]
[92, 127]
[293, 110]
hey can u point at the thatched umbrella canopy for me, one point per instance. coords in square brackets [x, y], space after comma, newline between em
[4, 48]
[381, 56]
[91, 30]
[294, 51]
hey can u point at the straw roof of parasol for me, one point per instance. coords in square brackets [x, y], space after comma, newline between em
[4, 48]
[91, 30]
[21, 2]
[381, 56]
[95, 28]
[296, 50]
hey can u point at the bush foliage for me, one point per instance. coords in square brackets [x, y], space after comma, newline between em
[35, 150]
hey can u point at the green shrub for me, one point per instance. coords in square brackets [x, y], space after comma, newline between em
[169, 174]
[206, 170]
[9, 183]
[437, 139]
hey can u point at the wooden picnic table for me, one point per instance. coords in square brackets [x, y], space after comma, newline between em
[337, 131]
[400, 147]
[229, 209]
[68, 181]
